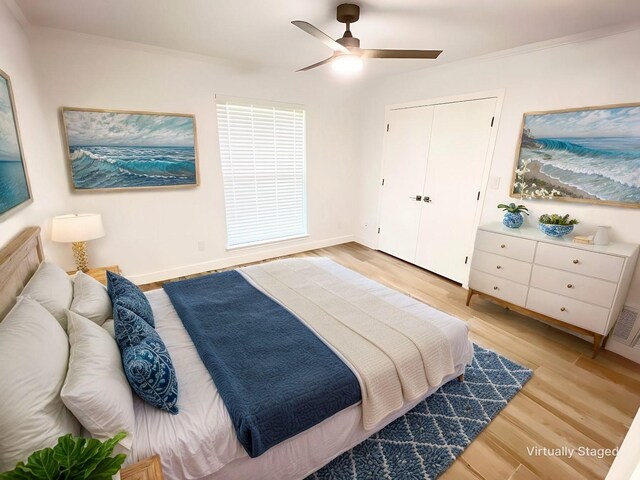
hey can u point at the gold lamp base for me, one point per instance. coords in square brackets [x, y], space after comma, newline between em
[80, 255]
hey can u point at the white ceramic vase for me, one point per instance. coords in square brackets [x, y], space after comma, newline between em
[602, 235]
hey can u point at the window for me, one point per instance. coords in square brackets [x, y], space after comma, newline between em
[262, 150]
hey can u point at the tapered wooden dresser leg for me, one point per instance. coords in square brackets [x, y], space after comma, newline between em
[469, 295]
[597, 340]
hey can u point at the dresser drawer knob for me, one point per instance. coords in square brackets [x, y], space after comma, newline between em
[569, 285]
[498, 267]
[576, 261]
[503, 246]
[562, 309]
[495, 288]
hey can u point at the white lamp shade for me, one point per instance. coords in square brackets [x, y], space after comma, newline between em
[77, 228]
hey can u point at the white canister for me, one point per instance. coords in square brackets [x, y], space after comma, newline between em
[602, 235]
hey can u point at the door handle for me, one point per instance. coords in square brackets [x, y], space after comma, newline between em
[417, 198]
[426, 200]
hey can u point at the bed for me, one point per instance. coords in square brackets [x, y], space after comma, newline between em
[200, 442]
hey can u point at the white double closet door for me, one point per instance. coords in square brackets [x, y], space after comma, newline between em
[434, 163]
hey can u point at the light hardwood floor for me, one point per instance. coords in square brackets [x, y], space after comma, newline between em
[571, 401]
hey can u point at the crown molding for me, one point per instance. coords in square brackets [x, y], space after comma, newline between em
[18, 14]
[582, 37]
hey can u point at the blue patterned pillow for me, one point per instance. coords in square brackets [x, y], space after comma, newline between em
[146, 361]
[129, 296]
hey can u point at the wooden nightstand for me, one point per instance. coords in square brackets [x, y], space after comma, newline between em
[147, 469]
[100, 273]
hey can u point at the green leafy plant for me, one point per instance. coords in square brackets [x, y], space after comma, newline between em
[555, 219]
[513, 208]
[73, 458]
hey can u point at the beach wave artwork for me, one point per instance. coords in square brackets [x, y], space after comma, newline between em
[113, 150]
[14, 188]
[585, 154]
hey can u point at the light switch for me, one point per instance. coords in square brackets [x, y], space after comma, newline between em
[494, 183]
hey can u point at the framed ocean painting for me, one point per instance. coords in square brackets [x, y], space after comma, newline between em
[14, 181]
[587, 155]
[113, 150]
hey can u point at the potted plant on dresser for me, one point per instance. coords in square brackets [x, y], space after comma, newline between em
[513, 214]
[556, 225]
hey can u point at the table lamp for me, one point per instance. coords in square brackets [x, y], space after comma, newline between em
[77, 229]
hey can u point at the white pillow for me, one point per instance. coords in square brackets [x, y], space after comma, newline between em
[110, 327]
[90, 299]
[52, 288]
[96, 389]
[34, 351]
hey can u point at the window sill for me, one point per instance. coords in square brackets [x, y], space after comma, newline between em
[266, 242]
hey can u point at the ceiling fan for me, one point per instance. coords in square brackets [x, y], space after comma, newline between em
[347, 54]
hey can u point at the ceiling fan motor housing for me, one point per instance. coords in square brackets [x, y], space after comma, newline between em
[349, 41]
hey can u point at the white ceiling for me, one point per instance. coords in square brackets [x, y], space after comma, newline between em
[259, 33]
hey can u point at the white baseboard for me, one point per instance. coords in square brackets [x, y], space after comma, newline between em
[257, 254]
[365, 242]
[626, 351]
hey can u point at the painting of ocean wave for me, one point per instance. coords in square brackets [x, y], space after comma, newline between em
[14, 183]
[589, 155]
[114, 150]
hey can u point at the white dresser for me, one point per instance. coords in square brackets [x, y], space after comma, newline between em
[580, 287]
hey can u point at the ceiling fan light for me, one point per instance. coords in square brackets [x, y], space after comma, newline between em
[347, 64]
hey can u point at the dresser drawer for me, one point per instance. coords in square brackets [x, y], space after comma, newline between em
[599, 265]
[506, 245]
[568, 284]
[501, 266]
[498, 287]
[569, 310]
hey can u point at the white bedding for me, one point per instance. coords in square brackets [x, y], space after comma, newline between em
[200, 442]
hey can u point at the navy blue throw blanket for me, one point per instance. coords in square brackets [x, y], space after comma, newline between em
[276, 377]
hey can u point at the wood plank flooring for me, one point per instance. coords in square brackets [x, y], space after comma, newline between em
[572, 400]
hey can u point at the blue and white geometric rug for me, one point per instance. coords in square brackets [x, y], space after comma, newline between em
[424, 442]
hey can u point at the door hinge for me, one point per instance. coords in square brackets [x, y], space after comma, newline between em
[383, 182]
[378, 229]
[478, 198]
[492, 119]
[387, 127]
[466, 259]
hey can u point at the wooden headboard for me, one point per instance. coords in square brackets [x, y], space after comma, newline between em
[19, 259]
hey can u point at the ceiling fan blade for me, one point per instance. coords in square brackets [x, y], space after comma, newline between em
[320, 35]
[377, 53]
[316, 64]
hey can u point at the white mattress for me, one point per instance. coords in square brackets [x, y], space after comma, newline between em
[200, 442]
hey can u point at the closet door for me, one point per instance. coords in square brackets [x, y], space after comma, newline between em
[405, 164]
[459, 141]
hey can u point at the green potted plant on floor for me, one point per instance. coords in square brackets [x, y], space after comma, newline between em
[73, 458]
[556, 225]
[513, 214]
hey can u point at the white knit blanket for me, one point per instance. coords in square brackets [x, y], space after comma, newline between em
[396, 355]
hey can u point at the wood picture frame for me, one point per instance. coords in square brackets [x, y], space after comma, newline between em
[15, 187]
[585, 155]
[115, 150]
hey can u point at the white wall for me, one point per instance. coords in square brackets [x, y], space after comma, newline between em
[596, 71]
[16, 61]
[155, 234]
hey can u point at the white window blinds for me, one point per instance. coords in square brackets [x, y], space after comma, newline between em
[262, 150]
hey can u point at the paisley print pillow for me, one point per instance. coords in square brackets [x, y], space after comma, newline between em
[146, 361]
